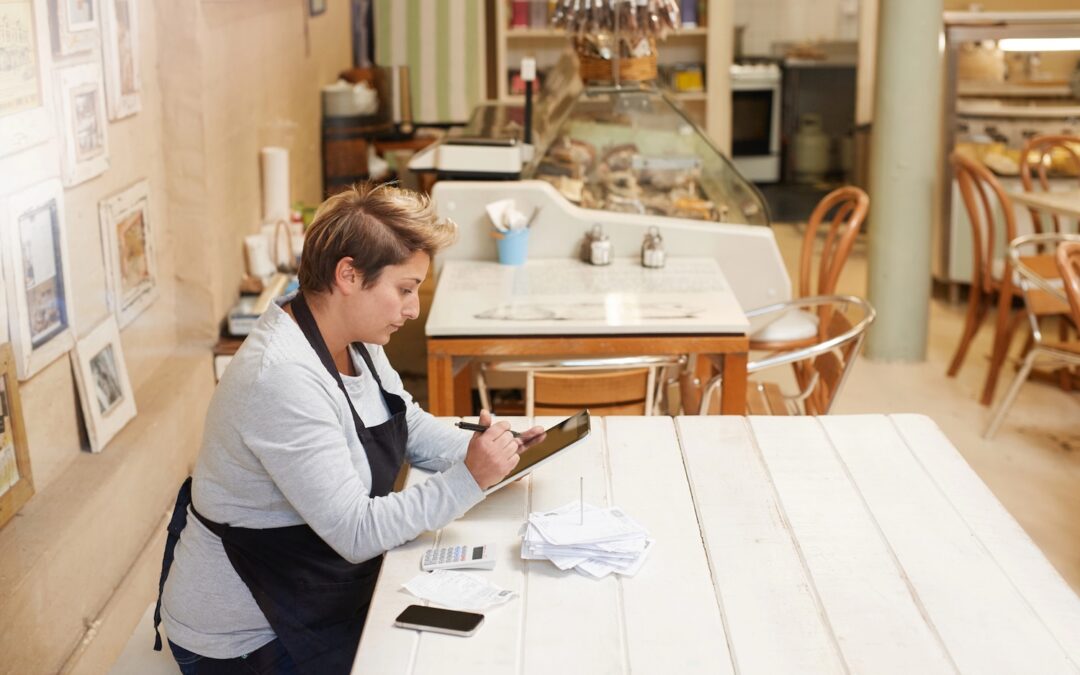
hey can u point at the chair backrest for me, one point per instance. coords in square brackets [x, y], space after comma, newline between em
[1040, 275]
[980, 192]
[848, 206]
[1041, 153]
[1068, 262]
[613, 386]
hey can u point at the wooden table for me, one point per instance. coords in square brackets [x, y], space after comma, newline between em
[843, 544]
[563, 307]
[1065, 203]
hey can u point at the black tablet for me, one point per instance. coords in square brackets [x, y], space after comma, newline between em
[559, 437]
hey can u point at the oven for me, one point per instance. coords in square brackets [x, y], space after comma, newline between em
[755, 121]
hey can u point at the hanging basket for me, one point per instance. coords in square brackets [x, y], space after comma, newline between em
[631, 69]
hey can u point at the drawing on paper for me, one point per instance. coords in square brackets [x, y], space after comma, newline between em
[20, 86]
[43, 272]
[9, 468]
[131, 240]
[130, 268]
[106, 380]
[79, 13]
[86, 124]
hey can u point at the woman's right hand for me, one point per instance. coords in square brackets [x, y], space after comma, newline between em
[493, 453]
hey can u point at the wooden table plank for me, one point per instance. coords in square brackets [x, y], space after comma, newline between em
[773, 619]
[572, 623]
[985, 623]
[865, 596]
[671, 601]
[1042, 586]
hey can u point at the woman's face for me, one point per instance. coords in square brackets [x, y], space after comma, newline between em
[383, 308]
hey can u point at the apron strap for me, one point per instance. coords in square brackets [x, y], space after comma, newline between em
[176, 526]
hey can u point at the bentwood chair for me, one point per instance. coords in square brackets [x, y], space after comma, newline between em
[790, 329]
[1043, 297]
[633, 385]
[990, 212]
[1040, 154]
[825, 363]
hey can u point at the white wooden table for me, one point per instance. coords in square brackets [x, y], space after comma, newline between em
[844, 544]
[557, 307]
[1065, 203]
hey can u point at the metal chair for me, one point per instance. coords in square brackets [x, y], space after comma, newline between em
[632, 385]
[1044, 297]
[826, 363]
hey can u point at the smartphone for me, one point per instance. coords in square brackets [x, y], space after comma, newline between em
[438, 620]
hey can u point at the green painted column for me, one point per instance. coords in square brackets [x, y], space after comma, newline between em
[904, 159]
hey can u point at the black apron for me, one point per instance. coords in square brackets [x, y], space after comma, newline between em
[315, 600]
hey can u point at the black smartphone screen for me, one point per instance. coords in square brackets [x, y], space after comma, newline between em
[439, 618]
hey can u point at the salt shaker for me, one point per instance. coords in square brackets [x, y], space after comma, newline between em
[652, 249]
[599, 247]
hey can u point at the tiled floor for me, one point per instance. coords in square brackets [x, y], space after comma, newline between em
[1032, 465]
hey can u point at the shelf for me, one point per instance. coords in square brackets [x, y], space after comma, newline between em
[689, 95]
[991, 108]
[535, 33]
[1014, 89]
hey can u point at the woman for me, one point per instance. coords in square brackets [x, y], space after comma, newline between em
[291, 504]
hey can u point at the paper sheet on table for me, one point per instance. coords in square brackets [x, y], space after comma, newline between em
[457, 590]
[591, 540]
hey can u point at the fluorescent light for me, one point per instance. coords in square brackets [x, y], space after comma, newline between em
[1039, 44]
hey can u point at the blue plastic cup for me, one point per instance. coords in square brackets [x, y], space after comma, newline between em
[513, 247]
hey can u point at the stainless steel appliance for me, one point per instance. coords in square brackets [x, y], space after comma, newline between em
[755, 120]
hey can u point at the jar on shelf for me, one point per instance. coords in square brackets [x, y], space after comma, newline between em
[652, 249]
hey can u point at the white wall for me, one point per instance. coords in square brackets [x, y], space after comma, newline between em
[770, 21]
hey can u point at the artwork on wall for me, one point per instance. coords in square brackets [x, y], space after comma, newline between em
[83, 125]
[120, 48]
[24, 117]
[316, 7]
[102, 378]
[74, 25]
[16, 483]
[37, 274]
[130, 264]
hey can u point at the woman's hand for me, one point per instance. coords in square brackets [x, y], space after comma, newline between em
[529, 438]
[493, 453]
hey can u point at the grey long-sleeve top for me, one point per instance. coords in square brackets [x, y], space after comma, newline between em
[280, 448]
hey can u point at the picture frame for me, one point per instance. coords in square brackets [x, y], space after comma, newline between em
[24, 98]
[101, 377]
[127, 239]
[83, 123]
[74, 26]
[16, 480]
[316, 7]
[37, 277]
[120, 53]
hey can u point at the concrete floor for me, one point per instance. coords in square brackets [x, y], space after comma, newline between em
[1033, 463]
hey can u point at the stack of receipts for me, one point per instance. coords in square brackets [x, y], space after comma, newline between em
[589, 539]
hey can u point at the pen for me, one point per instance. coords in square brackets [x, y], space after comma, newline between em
[469, 426]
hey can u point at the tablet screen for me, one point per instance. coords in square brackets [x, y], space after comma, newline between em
[561, 436]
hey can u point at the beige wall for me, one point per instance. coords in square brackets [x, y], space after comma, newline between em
[220, 80]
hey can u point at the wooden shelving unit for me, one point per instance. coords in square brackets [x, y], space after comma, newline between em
[703, 44]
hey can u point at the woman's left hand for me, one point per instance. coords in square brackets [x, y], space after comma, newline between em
[529, 438]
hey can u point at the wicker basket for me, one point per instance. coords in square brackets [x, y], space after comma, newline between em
[631, 69]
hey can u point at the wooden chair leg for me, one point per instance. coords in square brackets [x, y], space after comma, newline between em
[997, 361]
[1064, 374]
[1001, 337]
[975, 313]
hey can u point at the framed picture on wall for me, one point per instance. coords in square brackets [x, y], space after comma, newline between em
[74, 25]
[24, 115]
[120, 50]
[316, 7]
[130, 263]
[16, 483]
[36, 275]
[104, 389]
[83, 125]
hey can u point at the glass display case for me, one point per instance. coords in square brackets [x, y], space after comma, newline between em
[1007, 79]
[633, 149]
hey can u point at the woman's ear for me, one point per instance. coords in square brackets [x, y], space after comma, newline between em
[346, 277]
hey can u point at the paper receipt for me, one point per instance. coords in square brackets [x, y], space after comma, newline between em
[457, 590]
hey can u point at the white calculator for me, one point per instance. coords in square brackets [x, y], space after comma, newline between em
[457, 557]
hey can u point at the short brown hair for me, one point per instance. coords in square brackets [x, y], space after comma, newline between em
[374, 224]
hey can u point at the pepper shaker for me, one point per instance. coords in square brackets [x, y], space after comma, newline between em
[599, 247]
[652, 249]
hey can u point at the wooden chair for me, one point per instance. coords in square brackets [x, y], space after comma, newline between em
[981, 192]
[826, 363]
[1036, 158]
[848, 206]
[633, 385]
[1042, 297]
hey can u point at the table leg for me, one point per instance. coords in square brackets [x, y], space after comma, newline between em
[440, 373]
[463, 392]
[733, 393]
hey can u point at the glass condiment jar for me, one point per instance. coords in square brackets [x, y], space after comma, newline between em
[599, 247]
[652, 249]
